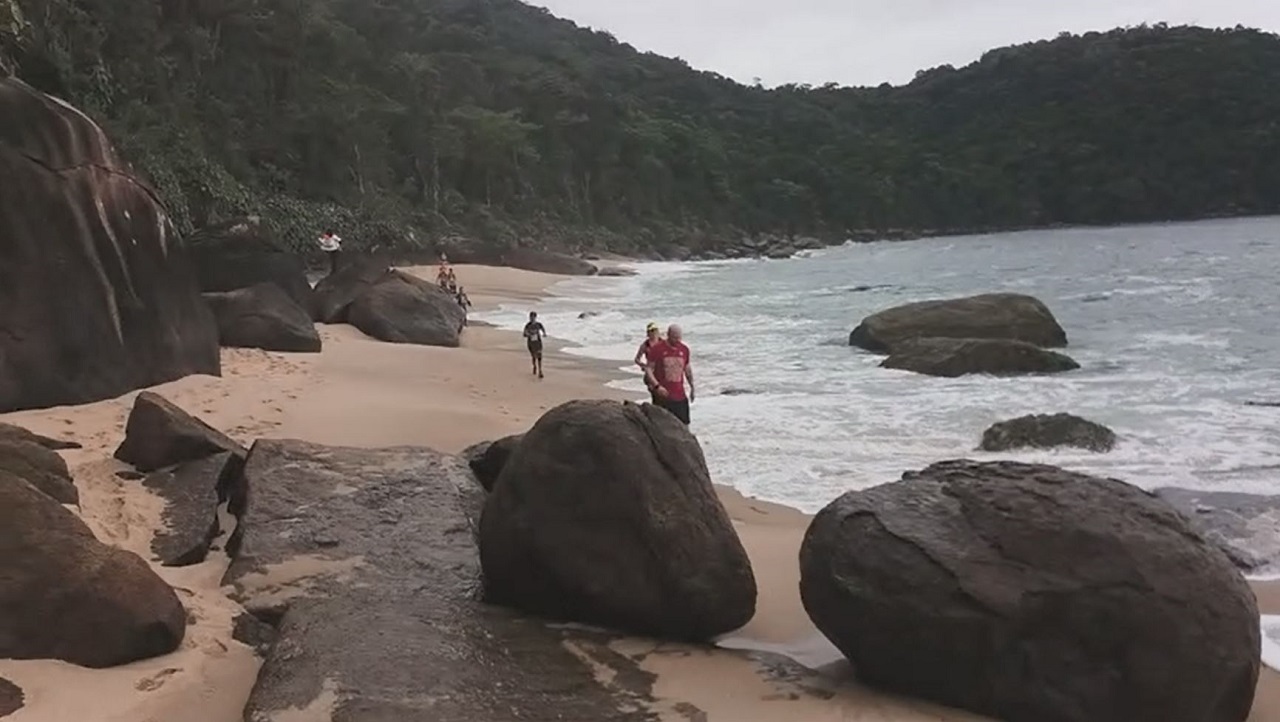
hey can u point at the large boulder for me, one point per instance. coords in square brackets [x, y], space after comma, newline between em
[40, 467]
[952, 357]
[97, 295]
[65, 595]
[376, 606]
[159, 434]
[1009, 316]
[1048, 431]
[488, 458]
[265, 317]
[241, 253]
[191, 492]
[605, 514]
[1032, 594]
[401, 308]
[12, 697]
[335, 292]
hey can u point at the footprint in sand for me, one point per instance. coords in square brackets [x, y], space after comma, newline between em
[155, 681]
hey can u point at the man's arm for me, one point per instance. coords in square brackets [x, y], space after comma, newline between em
[640, 359]
[688, 374]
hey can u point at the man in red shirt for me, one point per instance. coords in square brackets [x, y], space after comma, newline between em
[669, 368]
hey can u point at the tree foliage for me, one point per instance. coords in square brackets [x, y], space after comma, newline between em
[493, 119]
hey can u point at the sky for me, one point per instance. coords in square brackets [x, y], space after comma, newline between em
[868, 42]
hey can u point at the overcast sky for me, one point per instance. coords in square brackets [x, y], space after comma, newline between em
[867, 42]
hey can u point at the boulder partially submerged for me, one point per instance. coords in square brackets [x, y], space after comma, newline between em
[265, 317]
[9, 432]
[953, 357]
[366, 561]
[605, 514]
[99, 297]
[64, 595]
[1004, 316]
[159, 434]
[1048, 431]
[1028, 592]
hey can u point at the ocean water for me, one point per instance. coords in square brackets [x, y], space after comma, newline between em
[1176, 327]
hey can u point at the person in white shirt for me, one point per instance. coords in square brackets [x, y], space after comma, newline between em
[331, 244]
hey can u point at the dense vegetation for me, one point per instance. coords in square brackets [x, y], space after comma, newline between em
[491, 119]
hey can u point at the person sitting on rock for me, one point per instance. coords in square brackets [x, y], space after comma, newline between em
[331, 245]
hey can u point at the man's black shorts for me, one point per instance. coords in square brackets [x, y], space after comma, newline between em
[679, 409]
[535, 349]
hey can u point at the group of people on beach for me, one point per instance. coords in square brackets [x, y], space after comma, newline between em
[665, 362]
[447, 279]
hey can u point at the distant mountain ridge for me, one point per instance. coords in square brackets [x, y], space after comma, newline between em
[404, 122]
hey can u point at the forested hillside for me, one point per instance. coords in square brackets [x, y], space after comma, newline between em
[491, 119]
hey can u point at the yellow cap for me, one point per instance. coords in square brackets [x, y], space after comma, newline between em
[651, 327]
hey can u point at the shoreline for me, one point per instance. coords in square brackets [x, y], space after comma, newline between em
[363, 393]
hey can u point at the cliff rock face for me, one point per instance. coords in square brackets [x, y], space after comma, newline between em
[96, 294]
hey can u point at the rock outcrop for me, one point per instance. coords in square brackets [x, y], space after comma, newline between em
[400, 308]
[40, 467]
[1032, 594]
[192, 492]
[1004, 316]
[953, 357]
[97, 295]
[379, 617]
[241, 253]
[1045, 431]
[159, 434]
[9, 432]
[265, 317]
[12, 698]
[667, 562]
[335, 292]
[487, 459]
[64, 595]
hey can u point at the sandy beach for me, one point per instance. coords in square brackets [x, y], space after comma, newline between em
[363, 393]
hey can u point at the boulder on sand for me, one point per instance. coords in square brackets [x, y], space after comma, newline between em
[11, 432]
[241, 253]
[605, 514]
[159, 434]
[488, 458]
[1009, 316]
[65, 595]
[11, 697]
[97, 296]
[335, 292]
[405, 309]
[377, 611]
[191, 494]
[1045, 431]
[40, 467]
[265, 317]
[1032, 594]
[953, 357]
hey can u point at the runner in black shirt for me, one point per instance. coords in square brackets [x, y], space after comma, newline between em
[533, 335]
